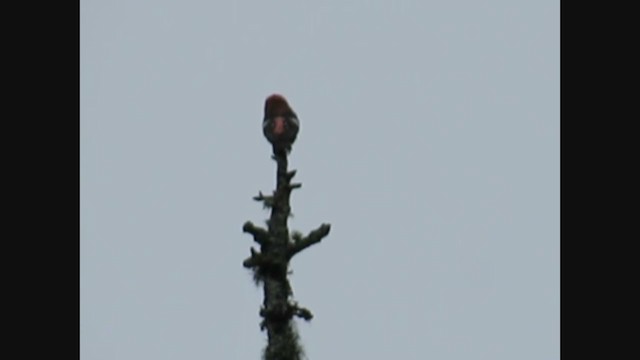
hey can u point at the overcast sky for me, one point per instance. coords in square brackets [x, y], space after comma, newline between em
[429, 140]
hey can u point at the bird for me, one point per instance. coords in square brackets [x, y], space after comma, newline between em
[280, 124]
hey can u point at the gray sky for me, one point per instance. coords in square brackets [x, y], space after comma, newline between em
[429, 140]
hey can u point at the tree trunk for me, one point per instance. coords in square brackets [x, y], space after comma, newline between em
[270, 266]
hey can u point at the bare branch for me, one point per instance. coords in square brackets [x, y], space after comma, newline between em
[290, 175]
[260, 235]
[267, 200]
[303, 313]
[314, 237]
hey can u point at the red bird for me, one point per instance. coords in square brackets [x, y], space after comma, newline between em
[280, 124]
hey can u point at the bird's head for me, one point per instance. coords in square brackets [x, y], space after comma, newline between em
[276, 105]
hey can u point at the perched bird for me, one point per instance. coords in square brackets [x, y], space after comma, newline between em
[280, 124]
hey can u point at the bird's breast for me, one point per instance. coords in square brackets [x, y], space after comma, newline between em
[278, 125]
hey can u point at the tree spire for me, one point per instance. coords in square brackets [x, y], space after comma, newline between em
[270, 265]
